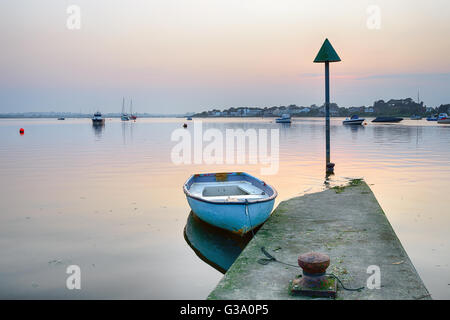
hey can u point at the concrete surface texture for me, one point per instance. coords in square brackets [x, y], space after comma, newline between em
[346, 223]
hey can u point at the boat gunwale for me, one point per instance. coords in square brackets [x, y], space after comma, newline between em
[241, 202]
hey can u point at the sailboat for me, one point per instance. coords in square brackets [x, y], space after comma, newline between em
[124, 116]
[132, 116]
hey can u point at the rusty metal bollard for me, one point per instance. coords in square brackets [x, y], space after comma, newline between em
[314, 281]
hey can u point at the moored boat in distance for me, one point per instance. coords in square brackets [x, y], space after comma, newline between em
[236, 201]
[97, 118]
[433, 118]
[443, 119]
[124, 116]
[285, 118]
[415, 117]
[61, 118]
[132, 116]
[387, 119]
[353, 120]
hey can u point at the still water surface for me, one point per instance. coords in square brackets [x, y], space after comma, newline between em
[110, 200]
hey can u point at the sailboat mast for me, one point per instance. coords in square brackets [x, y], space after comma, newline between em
[131, 106]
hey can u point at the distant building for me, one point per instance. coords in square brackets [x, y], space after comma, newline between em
[304, 110]
[354, 110]
[334, 109]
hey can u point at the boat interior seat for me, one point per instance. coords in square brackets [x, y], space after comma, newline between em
[227, 191]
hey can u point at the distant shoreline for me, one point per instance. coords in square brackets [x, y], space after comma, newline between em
[6, 116]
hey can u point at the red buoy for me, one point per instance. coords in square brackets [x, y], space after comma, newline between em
[22, 131]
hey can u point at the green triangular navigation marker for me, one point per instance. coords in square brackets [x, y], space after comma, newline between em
[327, 53]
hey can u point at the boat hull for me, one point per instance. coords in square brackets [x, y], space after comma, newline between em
[232, 216]
[283, 121]
[444, 121]
[387, 119]
[353, 122]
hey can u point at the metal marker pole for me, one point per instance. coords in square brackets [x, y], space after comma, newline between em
[326, 55]
[327, 112]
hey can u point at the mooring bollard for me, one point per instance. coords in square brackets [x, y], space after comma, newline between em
[314, 281]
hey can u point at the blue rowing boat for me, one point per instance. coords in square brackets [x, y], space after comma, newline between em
[236, 201]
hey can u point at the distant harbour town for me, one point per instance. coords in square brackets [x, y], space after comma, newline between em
[393, 107]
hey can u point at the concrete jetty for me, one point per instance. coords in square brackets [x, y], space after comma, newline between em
[348, 225]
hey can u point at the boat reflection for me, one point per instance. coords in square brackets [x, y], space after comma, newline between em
[355, 128]
[98, 128]
[215, 246]
[127, 131]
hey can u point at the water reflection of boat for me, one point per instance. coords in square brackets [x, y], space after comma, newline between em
[98, 127]
[215, 246]
[236, 201]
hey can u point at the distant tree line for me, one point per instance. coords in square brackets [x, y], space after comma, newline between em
[393, 107]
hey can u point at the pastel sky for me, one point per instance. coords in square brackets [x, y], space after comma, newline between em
[174, 56]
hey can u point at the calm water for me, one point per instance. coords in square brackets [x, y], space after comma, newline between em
[110, 200]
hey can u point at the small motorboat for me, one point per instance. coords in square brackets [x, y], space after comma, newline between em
[444, 120]
[237, 201]
[442, 116]
[97, 119]
[433, 118]
[285, 118]
[61, 118]
[353, 120]
[387, 119]
[189, 118]
[415, 117]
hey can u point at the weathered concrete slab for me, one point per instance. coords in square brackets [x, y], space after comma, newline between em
[347, 224]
